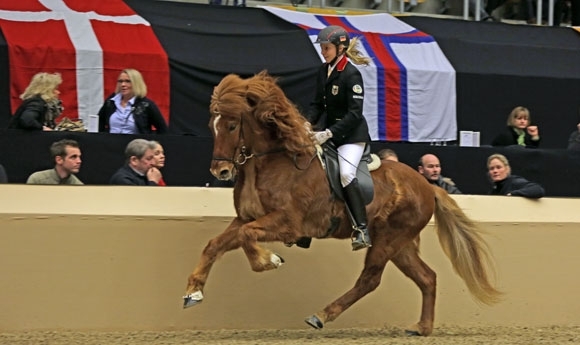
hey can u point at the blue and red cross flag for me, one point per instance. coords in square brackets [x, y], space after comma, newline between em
[409, 85]
[88, 43]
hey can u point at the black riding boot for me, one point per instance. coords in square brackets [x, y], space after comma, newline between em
[356, 205]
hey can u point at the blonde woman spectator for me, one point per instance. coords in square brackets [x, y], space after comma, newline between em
[518, 130]
[41, 104]
[159, 160]
[128, 110]
[504, 183]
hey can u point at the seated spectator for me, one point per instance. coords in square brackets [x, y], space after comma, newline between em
[67, 162]
[430, 167]
[128, 111]
[41, 105]
[518, 130]
[574, 140]
[159, 160]
[139, 169]
[388, 154]
[504, 183]
[3, 176]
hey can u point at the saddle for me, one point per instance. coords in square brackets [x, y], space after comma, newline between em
[328, 155]
[329, 159]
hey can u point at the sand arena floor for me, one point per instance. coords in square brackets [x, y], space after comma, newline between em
[443, 335]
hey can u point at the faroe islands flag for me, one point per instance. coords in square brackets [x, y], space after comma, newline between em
[409, 85]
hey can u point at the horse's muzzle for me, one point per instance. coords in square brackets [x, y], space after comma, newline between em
[222, 170]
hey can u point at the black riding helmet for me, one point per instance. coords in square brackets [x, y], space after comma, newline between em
[333, 34]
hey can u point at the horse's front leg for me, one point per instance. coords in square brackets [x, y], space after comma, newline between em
[216, 247]
[272, 227]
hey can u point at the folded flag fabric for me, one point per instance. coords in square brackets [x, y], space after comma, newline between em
[409, 86]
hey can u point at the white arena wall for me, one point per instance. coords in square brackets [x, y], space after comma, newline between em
[117, 258]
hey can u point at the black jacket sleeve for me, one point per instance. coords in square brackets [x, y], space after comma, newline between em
[32, 114]
[522, 187]
[155, 118]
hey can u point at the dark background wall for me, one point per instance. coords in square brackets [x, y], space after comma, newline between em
[501, 66]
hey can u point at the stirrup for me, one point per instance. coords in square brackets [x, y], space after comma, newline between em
[360, 239]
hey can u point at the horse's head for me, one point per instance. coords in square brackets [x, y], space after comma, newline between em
[251, 118]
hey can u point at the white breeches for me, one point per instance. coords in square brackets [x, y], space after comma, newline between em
[349, 156]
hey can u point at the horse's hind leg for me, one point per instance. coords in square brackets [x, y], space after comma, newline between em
[409, 262]
[370, 277]
[216, 247]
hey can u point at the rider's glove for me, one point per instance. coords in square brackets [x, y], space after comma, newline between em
[321, 137]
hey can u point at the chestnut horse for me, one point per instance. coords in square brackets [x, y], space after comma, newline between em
[282, 194]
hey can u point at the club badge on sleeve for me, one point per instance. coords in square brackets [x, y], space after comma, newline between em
[357, 89]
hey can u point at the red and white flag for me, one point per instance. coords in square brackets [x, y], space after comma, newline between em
[89, 43]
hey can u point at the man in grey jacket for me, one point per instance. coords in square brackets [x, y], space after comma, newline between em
[430, 167]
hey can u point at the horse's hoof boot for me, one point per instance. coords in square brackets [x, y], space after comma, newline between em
[314, 321]
[192, 299]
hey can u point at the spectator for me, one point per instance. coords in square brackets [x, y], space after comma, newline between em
[3, 176]
[159, 160]
[388, 154]
[430, 167]
[574, 140]
[139, 169]
[41, 105]
[504, 183]
[518, 130]
[128, 111]
[67, 162]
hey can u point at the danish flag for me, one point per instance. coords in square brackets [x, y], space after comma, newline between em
[88, 42]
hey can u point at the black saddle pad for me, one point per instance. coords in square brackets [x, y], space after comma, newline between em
[365, 181]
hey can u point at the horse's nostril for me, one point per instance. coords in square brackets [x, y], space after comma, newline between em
[225, 173]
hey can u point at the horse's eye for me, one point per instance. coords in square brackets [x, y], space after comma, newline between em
[232, 126]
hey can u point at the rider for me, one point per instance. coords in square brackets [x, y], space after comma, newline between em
[338, 108]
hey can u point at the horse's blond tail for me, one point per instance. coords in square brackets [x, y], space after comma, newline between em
[465, 247]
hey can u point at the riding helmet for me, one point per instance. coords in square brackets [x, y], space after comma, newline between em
[333, 34]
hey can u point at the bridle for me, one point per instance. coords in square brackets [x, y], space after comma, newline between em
[244, 154]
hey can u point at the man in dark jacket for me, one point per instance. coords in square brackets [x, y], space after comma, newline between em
[139, 169]
[430, 167]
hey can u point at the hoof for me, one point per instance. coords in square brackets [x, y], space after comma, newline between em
[192, 299]
[276, 259]
[314, 321]
[412, 333]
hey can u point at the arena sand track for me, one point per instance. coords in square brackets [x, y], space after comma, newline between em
[443, 335]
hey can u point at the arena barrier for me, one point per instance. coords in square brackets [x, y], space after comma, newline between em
[117, 258]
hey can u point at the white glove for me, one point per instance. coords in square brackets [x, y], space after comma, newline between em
[320, 138]
[308, 127]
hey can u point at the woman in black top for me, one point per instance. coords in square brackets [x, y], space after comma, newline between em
[504, 183]
[518, 130]
[41, 105]
[128, 111]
